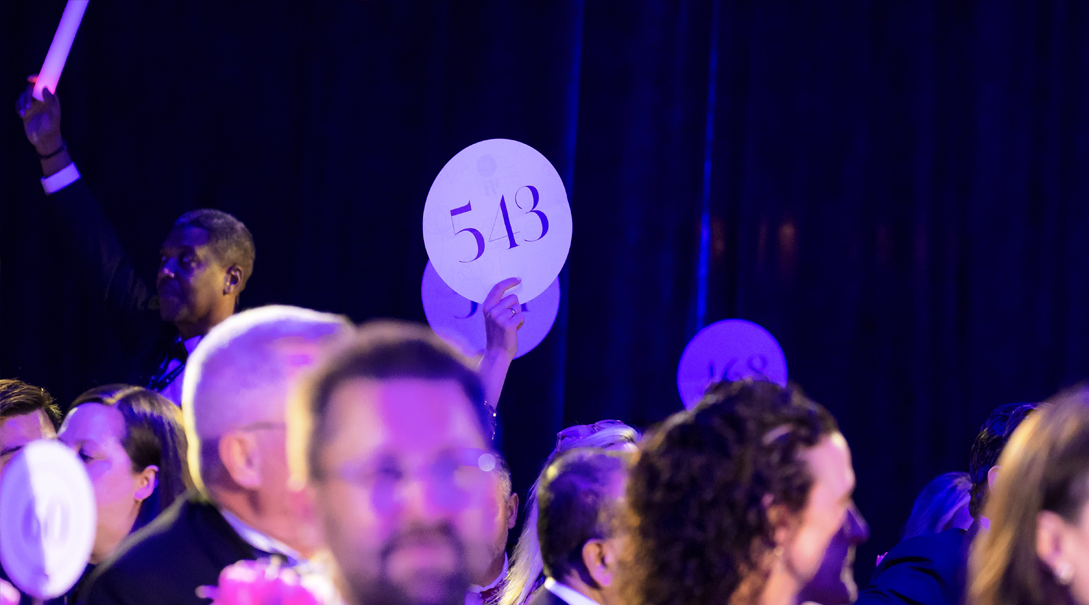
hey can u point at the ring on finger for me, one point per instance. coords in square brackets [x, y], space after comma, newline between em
[513, 311]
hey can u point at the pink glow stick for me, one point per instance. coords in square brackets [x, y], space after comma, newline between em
[58, 50]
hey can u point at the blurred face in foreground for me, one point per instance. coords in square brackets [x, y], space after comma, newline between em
[826, 511]
[834, 583]
[405, 490]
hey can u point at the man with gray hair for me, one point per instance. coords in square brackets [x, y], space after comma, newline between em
[234, 399]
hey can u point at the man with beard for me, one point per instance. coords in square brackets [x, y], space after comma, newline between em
[204, 263]
[488, 586]
[393, 440]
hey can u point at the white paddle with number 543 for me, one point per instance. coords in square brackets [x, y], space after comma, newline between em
[497, 209]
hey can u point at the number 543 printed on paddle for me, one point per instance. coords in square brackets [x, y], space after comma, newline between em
[502, 222]
[498, 209]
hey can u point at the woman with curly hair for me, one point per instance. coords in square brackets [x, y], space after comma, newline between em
[735, 501]
[1037, 549]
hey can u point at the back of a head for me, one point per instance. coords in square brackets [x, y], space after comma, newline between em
[242, 372]
[1045, 467]
[229, 239]
[988, 446]
[577, 503]
[379, 350]
[153, 436]
[527, 565]
[18, 398]
[938, 506]
[700, 487]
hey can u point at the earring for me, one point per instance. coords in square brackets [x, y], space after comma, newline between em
[1064, 573]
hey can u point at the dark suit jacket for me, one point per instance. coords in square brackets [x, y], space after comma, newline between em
[165, 562]
[128, 305]
[927, 570]
[543, 596]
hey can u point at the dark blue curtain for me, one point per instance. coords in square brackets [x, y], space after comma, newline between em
[894, 189]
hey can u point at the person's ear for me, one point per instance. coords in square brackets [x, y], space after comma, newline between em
[992, 478]
[146, 480]
[781, 521]
[232, 279]
[597, 556]
[1050, 531]
[512, 510]
[241, 458]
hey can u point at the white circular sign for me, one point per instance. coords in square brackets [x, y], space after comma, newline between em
[497, 209]
[460, 321]
[730, 349]
[47, 519]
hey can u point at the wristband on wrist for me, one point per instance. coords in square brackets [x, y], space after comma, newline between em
[54, 154]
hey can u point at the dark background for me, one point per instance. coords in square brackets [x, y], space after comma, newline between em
[896, 190]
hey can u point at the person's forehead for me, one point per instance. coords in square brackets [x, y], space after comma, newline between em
[830, 463]
[186, 236]
[412, 416]
[24, 426]
[92, 421]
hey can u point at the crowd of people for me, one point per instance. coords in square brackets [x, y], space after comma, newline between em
[284, 455]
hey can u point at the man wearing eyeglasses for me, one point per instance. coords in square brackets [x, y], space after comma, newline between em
[393, 439]
[235, 395]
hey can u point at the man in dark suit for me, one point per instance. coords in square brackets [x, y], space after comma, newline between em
[578, 502]
[234, 405]
[204, 264]
[932, 569]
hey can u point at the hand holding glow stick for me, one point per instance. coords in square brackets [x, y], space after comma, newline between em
[58, 50]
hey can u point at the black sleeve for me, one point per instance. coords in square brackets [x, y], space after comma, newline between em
[98, 257]
[921, 570]
[128, 582]
[104, 589]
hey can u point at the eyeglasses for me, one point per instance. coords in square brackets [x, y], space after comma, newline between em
[450, 480]
[582, 431]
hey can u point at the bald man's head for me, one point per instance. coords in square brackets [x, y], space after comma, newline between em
[240, 376]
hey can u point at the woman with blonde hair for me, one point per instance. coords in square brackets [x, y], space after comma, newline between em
[1037, 549]
[527, 569]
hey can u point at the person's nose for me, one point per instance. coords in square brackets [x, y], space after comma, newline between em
[166, 269]
[418, 500]
[857, 528]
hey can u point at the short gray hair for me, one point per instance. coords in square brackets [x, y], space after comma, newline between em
[242, 371]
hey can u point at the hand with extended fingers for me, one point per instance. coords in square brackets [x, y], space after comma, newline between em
[502, 318]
